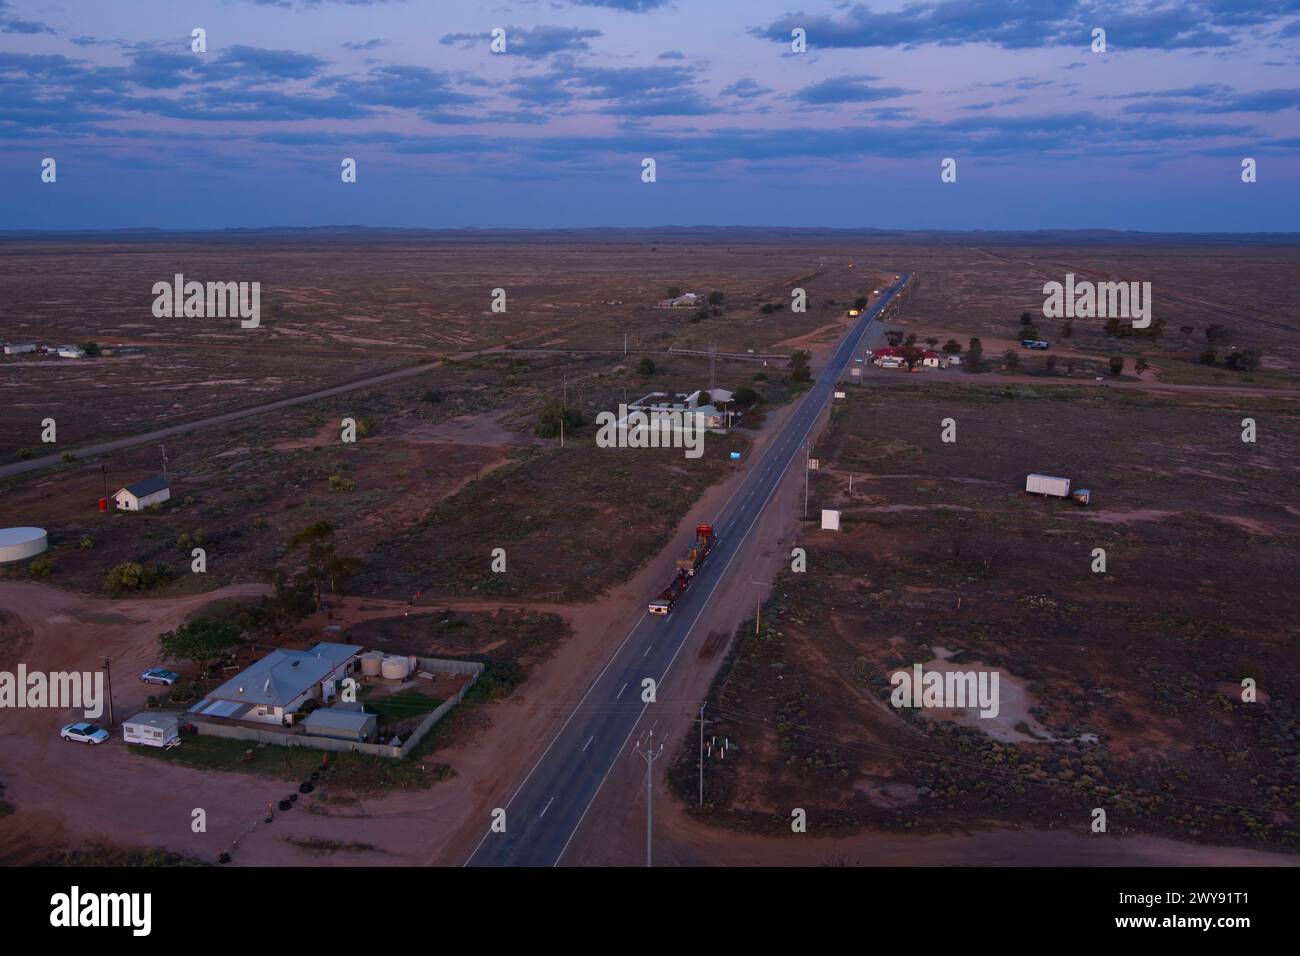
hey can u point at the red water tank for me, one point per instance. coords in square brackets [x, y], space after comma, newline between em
[103, 504]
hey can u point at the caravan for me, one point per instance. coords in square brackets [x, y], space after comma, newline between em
[152, 730]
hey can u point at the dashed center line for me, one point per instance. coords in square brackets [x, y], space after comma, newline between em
[545, 808]
[620, 692]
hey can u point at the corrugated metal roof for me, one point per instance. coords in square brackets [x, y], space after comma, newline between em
[335, 719]
[148, 486]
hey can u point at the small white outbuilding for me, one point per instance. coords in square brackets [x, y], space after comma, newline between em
[142, 494]
[830, 519]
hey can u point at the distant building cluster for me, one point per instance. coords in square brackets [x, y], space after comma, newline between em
[889, 356]
[683, 301]
[64, 351]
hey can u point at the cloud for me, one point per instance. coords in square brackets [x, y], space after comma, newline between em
[373, 44]
[280, 64]
[628, 6]
[1023, 24]
[745, 89]
[10, 24]
[848, 89]
[537, 43]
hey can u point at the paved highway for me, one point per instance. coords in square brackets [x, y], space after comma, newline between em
[546, 810]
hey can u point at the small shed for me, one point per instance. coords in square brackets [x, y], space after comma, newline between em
[341, 724]
[142, 494]
[151, 730]
[830, 519]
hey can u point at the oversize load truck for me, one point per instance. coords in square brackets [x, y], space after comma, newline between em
[705, 539]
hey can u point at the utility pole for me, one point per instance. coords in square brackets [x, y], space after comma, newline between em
[806, 477]
[758, 604]
[108, 677]
[650, 755]
[164, 458]
[702, 723]
[713, 361]
[563, 404]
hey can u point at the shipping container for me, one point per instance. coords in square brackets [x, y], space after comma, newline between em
[1048, 485]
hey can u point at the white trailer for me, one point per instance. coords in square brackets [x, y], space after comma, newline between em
[152, 730]
[1048, 485]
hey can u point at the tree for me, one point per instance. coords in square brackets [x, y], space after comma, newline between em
[768, 308]
[1209, 357]
[1140, 364]
[646, 366]
[799, 370]
[717, 298]
[548, 420]
[952, 347]
[932, 342]
[1049, 366]
[1026, 319]
[747, 396]
[894, 337]
[91, 349]
[1112, 328]
[1012, 359]
[860, 302]
[324, 565]
[1067, 330]
[198, 641]
[705, 398]
[1116, 364]
[911, 339]
[1246, 361]
[1214, 334]
[974, 355]
[674, 291]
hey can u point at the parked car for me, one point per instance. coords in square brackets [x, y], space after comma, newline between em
[160, 675]
[84, 733]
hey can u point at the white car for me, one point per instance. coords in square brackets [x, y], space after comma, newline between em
[84, 733]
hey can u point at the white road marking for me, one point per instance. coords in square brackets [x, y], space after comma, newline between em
[620, 692]
[545, 808]
[588, 743]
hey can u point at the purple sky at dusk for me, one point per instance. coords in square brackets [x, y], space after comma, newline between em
[1148, 135]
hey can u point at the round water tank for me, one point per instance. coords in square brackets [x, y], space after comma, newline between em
[19, 543]
[396, 668]
[370, 663]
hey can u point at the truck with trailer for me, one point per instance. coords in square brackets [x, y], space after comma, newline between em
[687, 567]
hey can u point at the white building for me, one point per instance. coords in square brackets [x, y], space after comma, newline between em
[19, 348]
[142, 494]
[71, 351]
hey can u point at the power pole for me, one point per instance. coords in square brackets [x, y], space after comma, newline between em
[164, 458]
[563, 404]
[108, 677]
[806, 477]
[650, 755]
[702, 723]
[758, 603]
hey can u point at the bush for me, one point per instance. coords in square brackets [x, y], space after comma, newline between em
[68, 456]
[87, 544]
[41, 568]
[646, 366]
[1209, 357]
[339, 483]
[22, 454]
[132, 576]
[1116, 364]
[432, 396]
[747, 396]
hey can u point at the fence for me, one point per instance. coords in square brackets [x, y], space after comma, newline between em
[215, 728]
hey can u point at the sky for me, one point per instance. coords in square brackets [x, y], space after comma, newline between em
[1047, 132]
